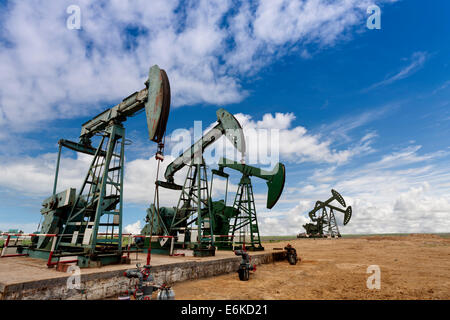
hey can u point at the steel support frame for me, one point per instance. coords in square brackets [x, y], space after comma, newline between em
[244, 201]
[194, 198]
[115, 134]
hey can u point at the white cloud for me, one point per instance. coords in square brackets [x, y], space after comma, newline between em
[134, 228]
[48, 72]
[274, 27]
[34, 177]
[284, 222]
[294, 143]
[404, 157]
[404, 191]
[414, 210]
[37, 173]
[408, 195]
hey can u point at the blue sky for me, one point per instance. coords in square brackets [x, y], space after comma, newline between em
[363, 111]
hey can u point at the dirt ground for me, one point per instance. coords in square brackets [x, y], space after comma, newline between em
[412, 267]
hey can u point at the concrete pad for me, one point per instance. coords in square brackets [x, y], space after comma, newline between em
[28, 278]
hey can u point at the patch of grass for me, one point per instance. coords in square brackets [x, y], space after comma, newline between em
[443, 235]
[25, 242]
[277, 238]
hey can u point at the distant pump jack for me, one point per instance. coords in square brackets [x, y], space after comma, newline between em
[325, 221]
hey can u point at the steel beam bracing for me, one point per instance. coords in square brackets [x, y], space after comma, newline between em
[246, 223]
[194, 209]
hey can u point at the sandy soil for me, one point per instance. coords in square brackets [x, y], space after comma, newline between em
[412, 267]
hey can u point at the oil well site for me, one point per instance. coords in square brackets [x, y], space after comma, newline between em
[224, 150]
[81, 252]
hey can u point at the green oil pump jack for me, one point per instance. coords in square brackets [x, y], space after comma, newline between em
[323, 218]
[244, 202]
[88, 223]
[191, 222]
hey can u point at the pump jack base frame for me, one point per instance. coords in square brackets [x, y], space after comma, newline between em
[101, 260]
[201, 251]
[224, 247]
[204, 252]
[84, 260]
[249, 248]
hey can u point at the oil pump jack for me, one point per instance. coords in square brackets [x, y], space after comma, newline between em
[239, 223]
[191, 221]
[324, 218]
[88, 223]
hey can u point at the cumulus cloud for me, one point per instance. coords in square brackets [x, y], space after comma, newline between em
[417, 209]
[405, 191]
[50, 72]
[134, 228]
[274, 137]
[34, 177]
[408, 195]
[298, 145]
[284, 222]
